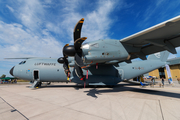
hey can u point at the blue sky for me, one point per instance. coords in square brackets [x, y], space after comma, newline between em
[40, 28]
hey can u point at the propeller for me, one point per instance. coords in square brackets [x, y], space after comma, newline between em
[76, 51]
[65, 62]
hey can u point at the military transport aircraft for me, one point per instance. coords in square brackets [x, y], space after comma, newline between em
[106, 61]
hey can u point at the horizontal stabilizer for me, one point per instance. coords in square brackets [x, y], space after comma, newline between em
[173, 61]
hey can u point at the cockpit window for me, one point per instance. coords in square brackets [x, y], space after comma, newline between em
[95, 45]
[23, 62]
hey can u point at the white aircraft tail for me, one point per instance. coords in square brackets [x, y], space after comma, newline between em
[162, 56]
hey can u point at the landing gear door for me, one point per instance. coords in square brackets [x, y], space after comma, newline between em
[121, 73]
[36, 75]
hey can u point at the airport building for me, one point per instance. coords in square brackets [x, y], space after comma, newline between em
[174, 68]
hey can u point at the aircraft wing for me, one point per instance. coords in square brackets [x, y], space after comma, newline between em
[164, 36]
[21, 58]
[28, 58]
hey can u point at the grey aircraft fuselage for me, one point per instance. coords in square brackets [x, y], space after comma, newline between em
[49, 70]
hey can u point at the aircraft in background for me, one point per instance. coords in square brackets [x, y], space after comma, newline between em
[106, 61]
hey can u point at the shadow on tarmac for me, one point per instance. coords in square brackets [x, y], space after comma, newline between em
[118, 88]
[80, 86]
[94, 92]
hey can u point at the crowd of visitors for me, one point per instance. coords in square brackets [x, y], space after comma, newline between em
[8, 81]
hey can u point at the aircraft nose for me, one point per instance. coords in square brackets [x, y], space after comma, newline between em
[11, 71]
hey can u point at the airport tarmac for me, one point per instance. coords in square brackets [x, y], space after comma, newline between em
[62, 101]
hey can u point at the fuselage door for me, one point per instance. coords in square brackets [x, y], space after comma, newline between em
[36, 74]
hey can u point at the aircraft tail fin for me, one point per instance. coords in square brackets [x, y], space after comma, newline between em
[163, 56]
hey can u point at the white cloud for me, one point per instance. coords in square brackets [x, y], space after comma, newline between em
[35, 17]
[31, 14]
[16, 42]
[161, 9]
[10, 8]
[159, 2]
[97, 22]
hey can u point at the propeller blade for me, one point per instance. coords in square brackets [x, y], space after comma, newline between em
[77, 45]
[78, 59]
[78, 42]
[78, 54]
[66, 45]
[77, 29]
[79, 72]
[66, 69]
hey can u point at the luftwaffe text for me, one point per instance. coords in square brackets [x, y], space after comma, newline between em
[46, 64]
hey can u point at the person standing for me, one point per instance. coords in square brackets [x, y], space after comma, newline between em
[152, 81]
[163, 81]
[169, 81]
[178, 79]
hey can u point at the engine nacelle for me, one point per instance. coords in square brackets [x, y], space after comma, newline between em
[104, 50]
